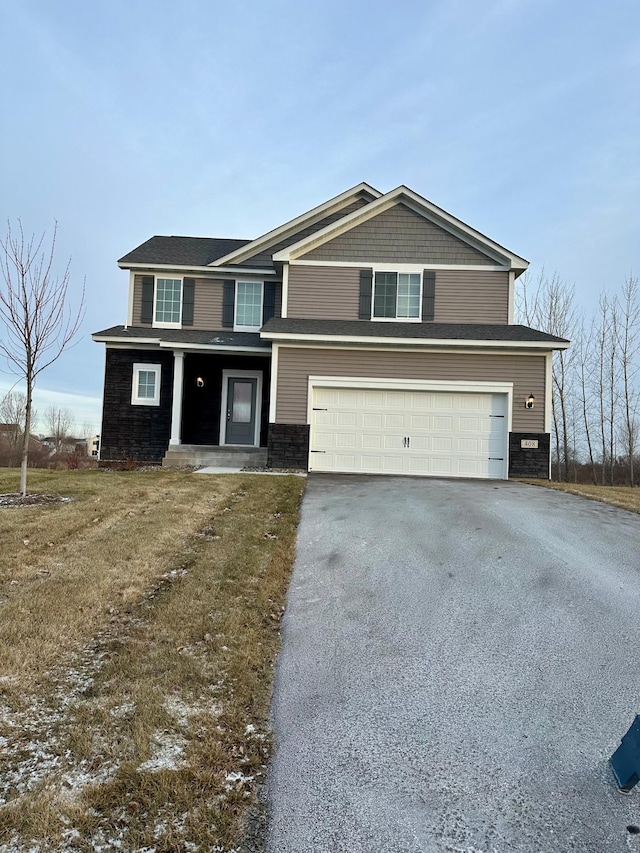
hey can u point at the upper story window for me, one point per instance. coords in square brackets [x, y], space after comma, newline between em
[168, 303]
[248, 307]
[396, 296]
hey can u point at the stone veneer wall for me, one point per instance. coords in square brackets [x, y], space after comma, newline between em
[288, 446]
[134, 432]
[529, 462]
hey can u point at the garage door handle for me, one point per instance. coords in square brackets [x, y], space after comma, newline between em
[496, 416]
[317, 451]
[320, 410]
[409, 441]
[496, 459]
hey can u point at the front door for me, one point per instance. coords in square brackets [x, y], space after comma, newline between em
[241, 414]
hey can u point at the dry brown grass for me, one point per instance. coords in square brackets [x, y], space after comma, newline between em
[621, 496]
[138, 629]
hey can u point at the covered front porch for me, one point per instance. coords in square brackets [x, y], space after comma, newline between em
[220, 409]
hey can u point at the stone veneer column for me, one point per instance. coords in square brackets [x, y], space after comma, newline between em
[176, 409]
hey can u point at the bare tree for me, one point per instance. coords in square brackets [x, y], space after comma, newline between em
[34, 308]
[549, 306]
[584, 358]
[58, 424]
[628, 331]
[12, 411]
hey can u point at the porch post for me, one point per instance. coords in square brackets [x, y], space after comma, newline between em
[176, 409]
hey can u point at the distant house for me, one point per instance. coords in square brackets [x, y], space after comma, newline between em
[10, 433]
[372, 334]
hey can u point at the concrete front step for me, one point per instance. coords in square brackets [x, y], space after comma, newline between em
[214, 456]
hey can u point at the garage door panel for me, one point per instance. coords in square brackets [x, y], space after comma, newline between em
[371, 420]
[371, 442]
[392, 442]
[467, 424]
[347, 398]
[409, 432]
[371, 464]
[419, 422]
[395, 400]
[442, 423]
[346, 419]
[346, 439]
[420, 444]
[393, 421]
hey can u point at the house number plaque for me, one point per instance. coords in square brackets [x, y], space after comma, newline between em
[531, 443]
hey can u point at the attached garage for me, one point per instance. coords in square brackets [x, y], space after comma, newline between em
[448, 429]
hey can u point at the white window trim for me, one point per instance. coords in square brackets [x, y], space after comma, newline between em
[236, 327]
[157, 324]
[397, 271]
[145, 401]
[240, 374]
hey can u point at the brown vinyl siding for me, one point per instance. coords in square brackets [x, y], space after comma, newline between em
[471, 296]
[207, 304]
[264, 257]
[323, 293]
[462, 296]
[207, 308]
[296, 364]
[401, 235]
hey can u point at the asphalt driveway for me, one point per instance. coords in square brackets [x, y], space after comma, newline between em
[460, 659]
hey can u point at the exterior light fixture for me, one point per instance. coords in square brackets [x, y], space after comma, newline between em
[529, 402]
[200, 382]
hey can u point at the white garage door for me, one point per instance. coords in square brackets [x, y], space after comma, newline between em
[432, 433]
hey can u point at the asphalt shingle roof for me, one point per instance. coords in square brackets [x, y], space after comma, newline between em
[431, 331]
[187, 336]
[182, 251]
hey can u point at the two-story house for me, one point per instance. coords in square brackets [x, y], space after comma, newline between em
[372, 334]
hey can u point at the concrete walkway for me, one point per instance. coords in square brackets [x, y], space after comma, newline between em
[460, 659]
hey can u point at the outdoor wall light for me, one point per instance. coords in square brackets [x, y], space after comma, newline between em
[200, 382]
[529, 402]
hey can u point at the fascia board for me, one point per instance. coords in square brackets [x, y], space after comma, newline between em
[183, 268]
[415, 342]
[109, 339]
[420, 205]
[213, 348]
[294, 224]
[177, 345]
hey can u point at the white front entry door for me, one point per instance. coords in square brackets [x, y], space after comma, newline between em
[428, 433]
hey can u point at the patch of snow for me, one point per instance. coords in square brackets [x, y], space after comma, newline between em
[167, 753]
[232, 780]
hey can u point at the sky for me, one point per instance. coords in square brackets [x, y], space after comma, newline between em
[129, 118]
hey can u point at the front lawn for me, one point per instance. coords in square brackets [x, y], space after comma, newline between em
[621, 496]
[139, 624]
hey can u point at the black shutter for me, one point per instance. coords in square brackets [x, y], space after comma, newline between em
[146, 311]
[268, 301]
[228, 299]
[428, 294]
[366, 285]
[188, 293]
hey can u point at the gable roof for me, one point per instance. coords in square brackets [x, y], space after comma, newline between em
[290, 229]
[407, 197]
[182, 251]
